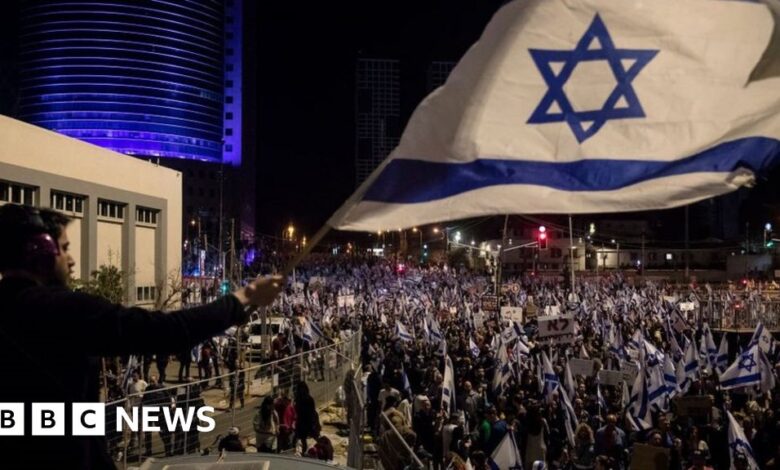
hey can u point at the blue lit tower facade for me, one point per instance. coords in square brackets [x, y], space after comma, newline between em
[156, 79]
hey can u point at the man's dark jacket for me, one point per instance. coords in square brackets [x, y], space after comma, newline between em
[52, 339]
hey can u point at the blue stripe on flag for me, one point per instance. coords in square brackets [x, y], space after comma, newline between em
[425, 181]
[747, 379]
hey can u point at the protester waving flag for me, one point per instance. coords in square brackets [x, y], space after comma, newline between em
[739, 446]
[722, 359]
[686, 110]
[402, 332]
[507, 455]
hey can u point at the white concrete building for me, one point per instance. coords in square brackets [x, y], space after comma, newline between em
[127, 212]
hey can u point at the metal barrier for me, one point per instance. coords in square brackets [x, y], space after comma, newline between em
[356, 415]
[740, 314]
[394, 450]
[236, 397]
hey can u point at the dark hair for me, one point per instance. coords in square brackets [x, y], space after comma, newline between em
[21, 223]
[267, 408]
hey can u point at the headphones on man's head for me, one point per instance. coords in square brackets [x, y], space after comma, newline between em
[38, 246]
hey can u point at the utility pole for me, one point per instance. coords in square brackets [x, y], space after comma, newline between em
[687, 266]
[642, 266]
[499, 265]
[571, 251]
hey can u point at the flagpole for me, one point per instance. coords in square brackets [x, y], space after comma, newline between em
[500, 264]
[571, 252]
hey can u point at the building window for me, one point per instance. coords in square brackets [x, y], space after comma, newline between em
[229, 51]
[145, 293]
[228, 83]
[229, 67]
[228, 116]
[17, 193]
[229, 131]
[67, 202]
[146, 215]
[228, 148]
[229, 35]
[111, 209]
[229, 99]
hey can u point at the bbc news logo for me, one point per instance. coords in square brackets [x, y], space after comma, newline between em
[89, 419]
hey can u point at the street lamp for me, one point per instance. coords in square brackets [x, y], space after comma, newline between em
[290, 231]
[457, 237]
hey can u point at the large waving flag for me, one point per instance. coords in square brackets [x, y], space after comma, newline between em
[448, 387]
[507, 455]
[750, 368]
[638, 410]
[739, 444]
[402, 332]
[586, 106]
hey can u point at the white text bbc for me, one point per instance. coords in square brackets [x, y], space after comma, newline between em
[89, 419]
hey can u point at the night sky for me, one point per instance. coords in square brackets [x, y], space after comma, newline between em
[306, 66]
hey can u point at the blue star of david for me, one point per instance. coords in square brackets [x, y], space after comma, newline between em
[622, 103]
[747, 362]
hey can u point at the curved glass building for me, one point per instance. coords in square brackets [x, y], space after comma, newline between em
[144, 78]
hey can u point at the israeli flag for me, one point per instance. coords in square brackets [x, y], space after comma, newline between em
[568, 381]
[763, 338]
[638, 411]
[586, 106]
[689, 370]
[551, 381]
[602, 402]
[707, 351]
[407, 386]
[311, 332]
[722, 360]
[750, 368]
[670, 377]
[507, 455]
[402, 332]
[473, 347]
[745, 371]
[448, 387]
[739, 444]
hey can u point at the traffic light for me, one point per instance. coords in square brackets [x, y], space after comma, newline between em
[542, 238]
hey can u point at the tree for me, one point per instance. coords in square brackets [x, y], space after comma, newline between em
[108, 282]
[169, 291]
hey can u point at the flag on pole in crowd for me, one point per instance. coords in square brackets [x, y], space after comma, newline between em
[763, 338]
[473, 348]
[707, 350]
[603, 408]
[739, 444]
[402, 332]
[750, 368]
[551, 382]
[515, 130]
[568, 381]
[570, 421]
[448, 387]
[638, 412]
[670, 377]
[132, 366]
[689, 370]
[507, 454]
[407, 386]
[722, 360]
[311, 332]
[583, 352]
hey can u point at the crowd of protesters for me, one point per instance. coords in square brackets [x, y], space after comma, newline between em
[507, 384]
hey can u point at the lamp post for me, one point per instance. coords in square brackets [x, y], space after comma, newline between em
[419, 232]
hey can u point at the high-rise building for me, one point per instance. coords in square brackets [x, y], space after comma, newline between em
[378, 110]
[156, 80]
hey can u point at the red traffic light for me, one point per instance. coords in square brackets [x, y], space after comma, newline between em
[542, 236]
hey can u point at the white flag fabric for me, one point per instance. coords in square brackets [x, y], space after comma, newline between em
[722, 360]
[638, 410]
[402, 332]
[763, 338]
[586, 106]
[507, 455]
[448, 387]
[750, 368]
[473, 348]
[739, 444]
